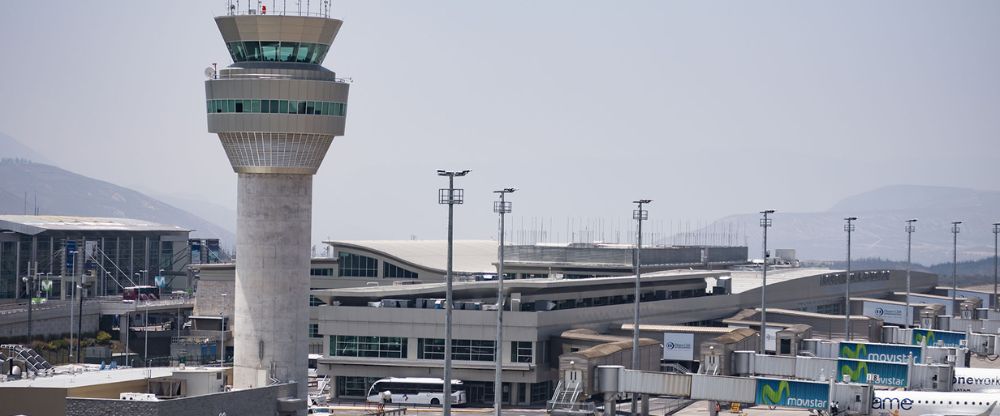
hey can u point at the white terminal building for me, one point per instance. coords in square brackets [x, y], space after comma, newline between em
[377, 308]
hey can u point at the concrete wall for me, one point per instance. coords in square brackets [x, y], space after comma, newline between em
[23, 401]
[259, 401]
[48, 320]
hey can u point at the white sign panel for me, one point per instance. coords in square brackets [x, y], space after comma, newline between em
[678, 346]
[771, 340]
[889, 313]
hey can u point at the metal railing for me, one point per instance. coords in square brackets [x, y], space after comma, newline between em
[264, 8]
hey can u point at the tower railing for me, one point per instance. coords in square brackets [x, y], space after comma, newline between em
[264, 8]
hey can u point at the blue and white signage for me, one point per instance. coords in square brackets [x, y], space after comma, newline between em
[678, 346]
[793, 393]
[892, 353]
[934, 337]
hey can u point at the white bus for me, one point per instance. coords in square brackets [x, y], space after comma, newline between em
[412, 390]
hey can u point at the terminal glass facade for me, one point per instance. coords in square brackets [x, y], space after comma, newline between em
[461, 349]
[376, 347]
[356, 265]
[392, 270]
[520, 352]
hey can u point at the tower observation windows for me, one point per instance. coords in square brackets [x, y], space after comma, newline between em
[320, 108]
[270, 51]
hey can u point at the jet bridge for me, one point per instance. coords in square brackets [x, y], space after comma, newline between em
[852, 398]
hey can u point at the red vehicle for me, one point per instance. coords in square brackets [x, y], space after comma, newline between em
[141, 293]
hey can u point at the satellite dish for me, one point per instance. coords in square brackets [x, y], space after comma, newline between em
[209, 72]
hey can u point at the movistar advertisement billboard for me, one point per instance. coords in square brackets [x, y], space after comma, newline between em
[948, 338]
[879, 352]
[876, 373]
[793, 393]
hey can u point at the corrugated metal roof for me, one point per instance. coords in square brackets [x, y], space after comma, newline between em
[744, 281]
[36, 224]
[679, 328]
[488, 288]
[604, 350]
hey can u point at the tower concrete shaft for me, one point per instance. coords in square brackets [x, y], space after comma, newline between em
[276, 111]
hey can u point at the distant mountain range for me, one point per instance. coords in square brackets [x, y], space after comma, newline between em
[60, 192]
[879, 231]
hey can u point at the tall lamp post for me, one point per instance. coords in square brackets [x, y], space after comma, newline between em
[72, 299]
[639, 215]
[996, 232]
[449, 196]
[849, 227]
[955, 229]
[29, 288]
[501, 207]
[910, 228]
[765, 223]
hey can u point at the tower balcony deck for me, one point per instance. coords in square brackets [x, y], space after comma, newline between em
[248, 8]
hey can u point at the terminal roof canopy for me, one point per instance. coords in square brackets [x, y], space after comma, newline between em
[37, 224]
[470, 256]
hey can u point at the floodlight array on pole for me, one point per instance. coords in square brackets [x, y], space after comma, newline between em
[639, 215]
[449, 196]
[765, 223]
[849, 227]
[910, 229]
[500, 207]
[955, 229]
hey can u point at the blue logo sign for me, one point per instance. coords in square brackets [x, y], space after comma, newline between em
[792, 393]
[70, 255]
[878, 352]
[877, 373]
[932, 337]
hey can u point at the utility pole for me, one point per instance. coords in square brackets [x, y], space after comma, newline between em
[72, 299]
[954, 264]
[849, 227]
[765, 223]
[501, 207]
[639, 215]
[996, 232]
[910, 228]
[449, 196]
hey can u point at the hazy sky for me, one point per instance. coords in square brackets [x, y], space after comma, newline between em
[708, 108]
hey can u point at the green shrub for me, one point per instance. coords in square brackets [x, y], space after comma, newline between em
[103, 337]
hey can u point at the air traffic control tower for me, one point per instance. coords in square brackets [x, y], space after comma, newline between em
[276, 111]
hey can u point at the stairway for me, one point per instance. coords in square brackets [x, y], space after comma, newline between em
[565, 399]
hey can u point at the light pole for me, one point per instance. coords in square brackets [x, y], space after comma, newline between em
[222, 331]
[449, 196]
[765, 223]
[639, 215]
[72, 299]
[29, 289]
[79, 323]
[955, 229]
[996, 232]
[501, 207]
[910, 228]
[849, 227]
